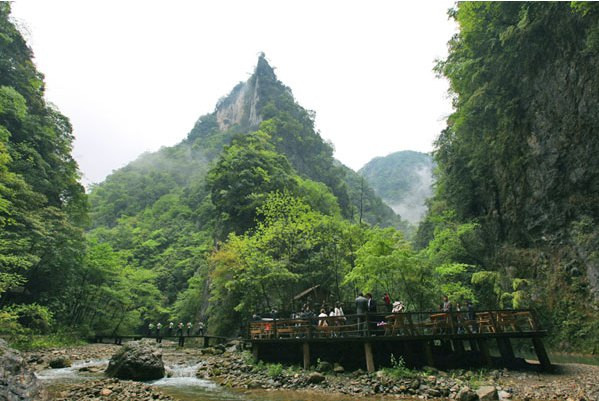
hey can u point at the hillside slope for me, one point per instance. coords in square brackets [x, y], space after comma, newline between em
[168, 209]
[404, 180]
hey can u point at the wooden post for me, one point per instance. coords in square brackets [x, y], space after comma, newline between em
[505, 348]
[428, 352]
[541, 353]
[458, 346]
[369, 357]
[255, 352]
[206, 342]
[306, 349]
[484, 350]
[407, 352]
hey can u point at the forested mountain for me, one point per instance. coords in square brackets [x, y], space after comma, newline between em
[167, 210]
[134, 187]
[404, 180]
[519, 155]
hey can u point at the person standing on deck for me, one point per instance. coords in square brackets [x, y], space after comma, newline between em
[171, 326]
[371, 303]
[446, 305]
[158, 328]
[398, 307]
[189, 326]
[180, 329]
[371, 309]
[361, 309]
[201, 328]
[150, 329]
[387, 301]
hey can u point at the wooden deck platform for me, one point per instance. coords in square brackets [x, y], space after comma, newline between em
[421, 338]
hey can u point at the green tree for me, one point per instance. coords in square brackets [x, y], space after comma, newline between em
[247, 171]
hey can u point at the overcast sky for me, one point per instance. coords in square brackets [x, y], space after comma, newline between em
[135, 75]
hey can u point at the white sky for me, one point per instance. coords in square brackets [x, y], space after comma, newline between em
[135, 75]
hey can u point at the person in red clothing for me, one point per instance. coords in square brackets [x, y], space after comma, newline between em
[387, 300]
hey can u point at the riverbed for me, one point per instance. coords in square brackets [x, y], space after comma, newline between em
[182, 385]
[206, 375]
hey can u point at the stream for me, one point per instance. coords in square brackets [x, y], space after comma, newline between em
[182, 384]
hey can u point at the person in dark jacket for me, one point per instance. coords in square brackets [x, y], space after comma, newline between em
[371, 309]
[371, 303]
[361, 309]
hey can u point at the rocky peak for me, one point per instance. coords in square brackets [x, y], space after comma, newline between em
[241, 106]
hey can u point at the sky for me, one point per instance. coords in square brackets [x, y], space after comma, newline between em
[134, 76]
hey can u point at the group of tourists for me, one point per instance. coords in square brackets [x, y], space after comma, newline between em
[447, 306]
[181, 330]
[367, 304]
[337, 311]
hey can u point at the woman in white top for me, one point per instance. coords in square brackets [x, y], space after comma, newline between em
[398, 307]
[322, 321]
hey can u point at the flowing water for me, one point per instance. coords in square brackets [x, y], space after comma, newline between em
[183, 385]
[73, 374]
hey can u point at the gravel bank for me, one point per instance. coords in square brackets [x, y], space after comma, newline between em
[570, 382]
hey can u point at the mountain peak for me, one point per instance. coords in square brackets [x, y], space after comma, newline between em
[263, 68]
[242, 106]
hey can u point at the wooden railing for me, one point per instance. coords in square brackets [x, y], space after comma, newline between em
[411, 324]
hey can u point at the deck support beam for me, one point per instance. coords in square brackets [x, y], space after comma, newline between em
[306, 352]
[541, 353]
[255, 351]
[505, 348]
[428, 352]
[484, 350]
[407, 351]
[458, 347]
[369, 357]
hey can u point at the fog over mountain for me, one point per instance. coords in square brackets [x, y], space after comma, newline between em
[404, 180]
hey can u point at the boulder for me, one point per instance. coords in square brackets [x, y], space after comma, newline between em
[337, 368]
[315, 378]
[487, 393]
[465, 394]
[233, 346]
[136, 361]
[60, 362]
[324, 366]
[17, 382]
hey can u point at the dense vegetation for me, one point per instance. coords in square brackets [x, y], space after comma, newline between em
[404, 180]
[518, 156]
[251, 208]
[42, 204]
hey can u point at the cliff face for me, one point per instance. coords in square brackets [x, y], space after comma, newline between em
[239, 108]
[519, 154]
[562, 206]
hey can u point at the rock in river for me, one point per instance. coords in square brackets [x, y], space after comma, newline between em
[17, 383]
[136, 361]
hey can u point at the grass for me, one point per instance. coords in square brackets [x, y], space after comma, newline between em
[399, 369]
[37, 342]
